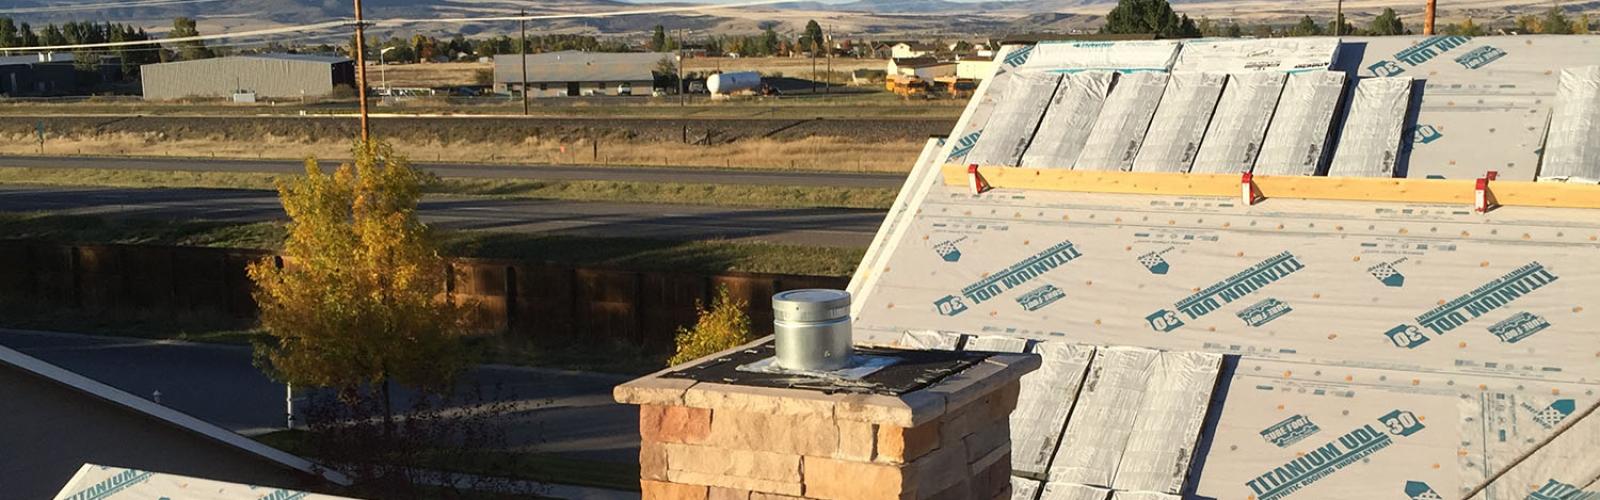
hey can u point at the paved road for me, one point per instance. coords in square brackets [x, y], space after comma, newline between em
[811, 226]
[568, 413]
[541, 172]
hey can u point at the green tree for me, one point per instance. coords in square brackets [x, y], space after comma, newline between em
[769, 42]
[658, 39]
[1528, 24]
[1580, 26]
[1387, 23]
[1340, 26]
[1306, 27]
[355, 304]
[10, 36]
[1555, 22]
[184, 27]
[1149, 16]
[722, 326]
[811, 40]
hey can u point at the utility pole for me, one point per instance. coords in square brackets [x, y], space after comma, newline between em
[828, 46]
[682, 99]
[1338, 20]
[361, 72]
[523, 43]
[1427, 19]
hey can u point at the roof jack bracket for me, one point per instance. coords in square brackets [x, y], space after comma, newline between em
[976, 181]
[1483, 199]
[1249, 194]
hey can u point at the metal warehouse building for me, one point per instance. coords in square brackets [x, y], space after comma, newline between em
[266, 75]
[574, 73]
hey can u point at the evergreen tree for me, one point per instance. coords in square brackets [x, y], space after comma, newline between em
[1387, 23]
[1306, 27]
[1555, 22]
[658, 40]
[812, 40]
[184, 27]
[1148, 16]
[10, 36]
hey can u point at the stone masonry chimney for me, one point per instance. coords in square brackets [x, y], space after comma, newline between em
[945, 436]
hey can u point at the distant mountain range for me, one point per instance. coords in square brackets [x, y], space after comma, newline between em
[856, 18]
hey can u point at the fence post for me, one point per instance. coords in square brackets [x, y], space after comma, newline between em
[511, 299]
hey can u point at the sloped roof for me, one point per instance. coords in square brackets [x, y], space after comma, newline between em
[320, 58]
[99, 397]
[59, 57]
[577, 66]
[1373, 348]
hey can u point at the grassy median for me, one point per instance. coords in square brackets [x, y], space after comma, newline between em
[611, 191]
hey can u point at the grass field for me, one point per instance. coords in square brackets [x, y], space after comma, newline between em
[811, 153]
[628, 253]
[616, 191]
[873, 103]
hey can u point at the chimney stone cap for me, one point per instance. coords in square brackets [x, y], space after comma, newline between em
[905, 410]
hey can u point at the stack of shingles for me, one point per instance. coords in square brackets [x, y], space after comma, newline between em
[1118, 423]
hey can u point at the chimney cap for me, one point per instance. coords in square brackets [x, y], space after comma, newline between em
[811, 304]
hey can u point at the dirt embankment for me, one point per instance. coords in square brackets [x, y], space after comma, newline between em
[476, 130]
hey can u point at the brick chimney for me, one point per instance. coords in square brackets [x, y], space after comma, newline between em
[947, 436]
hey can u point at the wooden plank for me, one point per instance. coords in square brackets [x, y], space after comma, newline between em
[1506, 193]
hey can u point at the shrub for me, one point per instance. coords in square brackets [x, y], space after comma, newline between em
[722, 326]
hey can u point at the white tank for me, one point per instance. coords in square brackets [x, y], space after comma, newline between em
[728, 83]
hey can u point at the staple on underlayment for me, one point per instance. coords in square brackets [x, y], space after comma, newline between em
[1243, 112]
[1014, 119]
[1101, 421]
[1120, 128]
[1167, 425]
[1297, 139]
[1180, 122]
[1369, 145]
[1572, 151]
[1066, 125]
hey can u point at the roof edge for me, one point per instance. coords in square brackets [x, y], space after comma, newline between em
[173, 417]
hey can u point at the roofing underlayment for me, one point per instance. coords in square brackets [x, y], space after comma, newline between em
[1325, 345]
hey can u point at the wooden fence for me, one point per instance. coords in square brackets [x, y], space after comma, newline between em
[542, 302]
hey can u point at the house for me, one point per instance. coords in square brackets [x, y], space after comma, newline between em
[912, 49]
[925, 67]
[975, 67]
[55, 421]
[572, 73]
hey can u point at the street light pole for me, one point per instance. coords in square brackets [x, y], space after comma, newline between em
[361, 72]
[383, 71]
[523, 43]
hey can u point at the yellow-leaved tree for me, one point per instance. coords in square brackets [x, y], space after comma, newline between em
[722, 326]
[356, 304]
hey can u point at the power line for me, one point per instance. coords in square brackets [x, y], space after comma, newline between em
[394, 22]
[101, 6]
